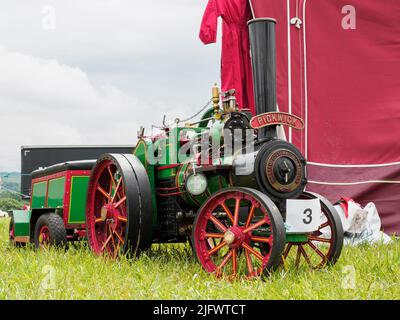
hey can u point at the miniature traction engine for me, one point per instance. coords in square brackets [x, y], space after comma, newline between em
[241, 204]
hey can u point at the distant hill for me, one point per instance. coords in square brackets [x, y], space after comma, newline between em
[11, 180]
[10, 175]
[10, 198]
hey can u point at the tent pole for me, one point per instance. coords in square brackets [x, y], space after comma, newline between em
[252, 11]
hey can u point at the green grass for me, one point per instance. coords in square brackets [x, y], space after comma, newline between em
[170, 272]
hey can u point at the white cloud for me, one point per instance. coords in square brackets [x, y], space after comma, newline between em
[45, 102]
[102, 28]
[108, 67]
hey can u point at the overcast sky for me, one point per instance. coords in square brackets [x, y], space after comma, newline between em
[92, 71]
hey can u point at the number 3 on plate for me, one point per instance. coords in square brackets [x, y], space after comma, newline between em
[308, 213]
[303, 215]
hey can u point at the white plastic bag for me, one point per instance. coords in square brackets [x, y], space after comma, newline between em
[360, 225]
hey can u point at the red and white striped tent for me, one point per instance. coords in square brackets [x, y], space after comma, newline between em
[338, 68]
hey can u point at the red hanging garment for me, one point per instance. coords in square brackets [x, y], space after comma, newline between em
[236, 64]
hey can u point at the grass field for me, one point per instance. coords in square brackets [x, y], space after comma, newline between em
[170, 272]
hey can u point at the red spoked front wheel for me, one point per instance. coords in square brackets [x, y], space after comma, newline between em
[119, 209]
[322, 247]
[239, 231]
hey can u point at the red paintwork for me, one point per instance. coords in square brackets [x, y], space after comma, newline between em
[277, 118]
[174, 191]
[68, 174]
[171, 194]
[168, 189]
[81, 233]
[171, 166]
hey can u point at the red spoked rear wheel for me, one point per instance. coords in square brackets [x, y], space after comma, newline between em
[239, 231]
[119, 209]
[110, 210]
[322, 247]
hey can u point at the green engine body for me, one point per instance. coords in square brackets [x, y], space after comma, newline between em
[173, 158]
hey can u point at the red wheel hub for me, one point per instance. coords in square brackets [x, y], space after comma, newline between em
[235, 236]
[107, 211]
[44, 236]
[112, 216]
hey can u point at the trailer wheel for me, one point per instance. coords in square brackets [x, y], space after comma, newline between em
[50, 231]
[239, 231]
[119, 207]
[322, 247]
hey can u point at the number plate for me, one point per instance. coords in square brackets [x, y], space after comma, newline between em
[303, 215]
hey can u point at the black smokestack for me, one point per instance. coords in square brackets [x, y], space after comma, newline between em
[263, 53]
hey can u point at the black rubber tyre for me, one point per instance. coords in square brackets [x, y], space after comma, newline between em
[133, 233]
[144, 213]
[57, 235]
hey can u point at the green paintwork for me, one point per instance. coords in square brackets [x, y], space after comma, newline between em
[141, 153]
[175, 138]
[22, 223]
[39, 195]
[170, 146]
[208, 114]
[55, 198]
[165, 148]
[216, 183]
[77, 206]
[296, 238]
[216, 131]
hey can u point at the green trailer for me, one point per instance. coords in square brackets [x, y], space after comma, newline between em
[57, 211]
